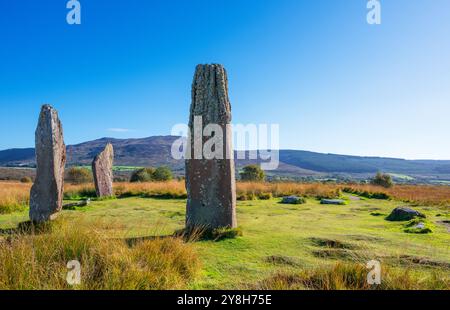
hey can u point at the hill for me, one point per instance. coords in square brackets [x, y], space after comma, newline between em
[156, 151]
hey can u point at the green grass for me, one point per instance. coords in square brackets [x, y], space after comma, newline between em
[285, 239]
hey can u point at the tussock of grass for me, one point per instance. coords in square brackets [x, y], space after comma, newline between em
[410, 227]
[350, 276]
[329, 243]
[335, 254]
[205, 234]
[419, 261]
[38, 261]
[281, 260]
[377, 214]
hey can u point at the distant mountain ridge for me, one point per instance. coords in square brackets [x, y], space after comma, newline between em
[156, 151]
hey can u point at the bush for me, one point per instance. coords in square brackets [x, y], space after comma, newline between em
[252, 173]
[162, 174]
[77, 175]
[143, 175]
[382, 179]
[26, 180]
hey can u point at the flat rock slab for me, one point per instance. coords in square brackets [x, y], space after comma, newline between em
[332, 202]
[404, 214]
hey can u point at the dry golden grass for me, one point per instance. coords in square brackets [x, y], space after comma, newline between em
[258, 189]
[39, 260]
[351, 276]
[14, 196]
[421, 194]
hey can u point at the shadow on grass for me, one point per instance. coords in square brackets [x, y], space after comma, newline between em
[193, 235]
[28, 228]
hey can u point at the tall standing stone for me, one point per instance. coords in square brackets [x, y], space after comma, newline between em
[210, 183]
[47, 192]
[102, 168]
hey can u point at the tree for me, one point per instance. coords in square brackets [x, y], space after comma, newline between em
[143, 175]
[78, 175]
[162, 174]
[252, 173]
[382, 179]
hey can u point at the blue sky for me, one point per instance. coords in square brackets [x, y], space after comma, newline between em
[334, 83]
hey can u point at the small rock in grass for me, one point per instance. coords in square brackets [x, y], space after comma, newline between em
[293, 200]
[420, 226]
[332, 202]
[404, 214]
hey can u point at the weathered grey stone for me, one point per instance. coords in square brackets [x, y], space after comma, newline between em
[293, 200]
[332, 202]
[404, 214]
[210, 183]
[47, 191]
[102, 168]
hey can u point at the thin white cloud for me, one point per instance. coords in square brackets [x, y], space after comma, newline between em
[120, 130]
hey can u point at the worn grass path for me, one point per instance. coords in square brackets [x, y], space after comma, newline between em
[281, 237]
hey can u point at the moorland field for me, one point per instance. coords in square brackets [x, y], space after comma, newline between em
[128, 242]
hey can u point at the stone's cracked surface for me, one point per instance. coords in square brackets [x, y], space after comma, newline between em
[102, 169]
[47, 192]
[210, 183]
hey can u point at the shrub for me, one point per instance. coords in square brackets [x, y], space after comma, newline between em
[26, 180]
[77, 175]
[142, 175]
[226, 233]
[412, 227]
[162, 174]
[382, 179]
[252, 173]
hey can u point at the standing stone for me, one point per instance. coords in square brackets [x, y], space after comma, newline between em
[47, 192]
[210, 183]
[102, 168]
